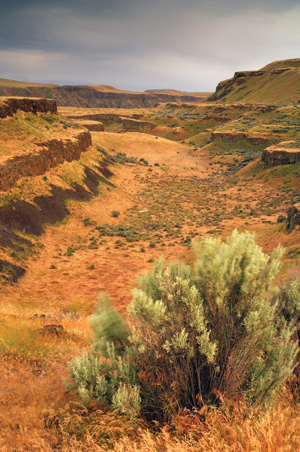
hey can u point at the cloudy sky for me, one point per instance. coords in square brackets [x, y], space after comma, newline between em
[138, 44]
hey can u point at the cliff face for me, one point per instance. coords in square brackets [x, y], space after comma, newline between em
[130, 123]
[136, 125]
[293, 219]
[9, 106]
[238, 136]
[98, 117]
[90, 97]
[42, 154]
[50, 155]
[279, 155]
[93, 126]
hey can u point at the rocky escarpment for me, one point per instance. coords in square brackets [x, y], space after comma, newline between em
[136, 125]
[280, 155]
[238, 136]
[42, 155]
[106, 117]
[92, 96]
[93, 126]
[227, 87]
[293, 218]
[47, 155]
[130, 123]
[10, 106]
[262, 86]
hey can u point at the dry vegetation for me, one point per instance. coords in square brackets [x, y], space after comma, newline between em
[161, 196]
[276, 82]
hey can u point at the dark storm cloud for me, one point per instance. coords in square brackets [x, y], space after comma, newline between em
[189, 44]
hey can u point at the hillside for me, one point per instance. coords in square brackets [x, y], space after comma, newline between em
[101, 96]
[175, 92]
[278, 82]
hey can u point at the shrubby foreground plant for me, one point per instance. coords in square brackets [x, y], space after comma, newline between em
[195, 337]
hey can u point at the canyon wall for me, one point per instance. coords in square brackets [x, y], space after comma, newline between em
[280, 155]
[131, 123]
[238, 136]
[48, 155]
[136, 125]
[293, 218]
[9, 106]
[45, 154]
[90, 97]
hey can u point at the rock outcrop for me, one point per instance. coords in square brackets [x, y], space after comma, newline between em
[278, 154]
[93, 126]
[293, 218]
[44, 155]
[47, 155]
[106, 117]
[136, 125]
[238, 136]
[262, 86]
[131, 123]
[10, 105]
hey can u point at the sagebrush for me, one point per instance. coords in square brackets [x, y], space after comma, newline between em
[196, 336]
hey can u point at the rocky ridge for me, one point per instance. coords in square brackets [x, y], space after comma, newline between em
[93, 126]
[130, 123]
[45, 154]
[48, 155]
[10, 106]
[238, 136]
[274, 83]
[293, 219]
[278, 154]
[92, 96]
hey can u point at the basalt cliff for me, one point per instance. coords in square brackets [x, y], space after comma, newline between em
[92, 96]
[38, 155]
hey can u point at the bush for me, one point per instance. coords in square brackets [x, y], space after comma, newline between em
[110, 381]
[281, 219]
[197, 337]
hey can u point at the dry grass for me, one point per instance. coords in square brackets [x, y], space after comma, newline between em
[229, 430]
[62, 288]
[25, 392]
[26, 425]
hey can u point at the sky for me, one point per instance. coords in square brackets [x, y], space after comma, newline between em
[188, 45]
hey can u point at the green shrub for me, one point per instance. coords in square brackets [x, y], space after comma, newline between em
[70, 251]
[104, 375]
[87, 221]
[281, 219]
[197, 337]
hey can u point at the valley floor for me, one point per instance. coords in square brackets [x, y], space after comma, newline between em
[150, 208]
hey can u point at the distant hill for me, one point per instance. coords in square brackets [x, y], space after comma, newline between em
[174, 92]
[92, 96]
[278, 82]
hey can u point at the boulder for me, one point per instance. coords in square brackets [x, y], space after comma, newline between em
[293, 217]
[53, 329]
